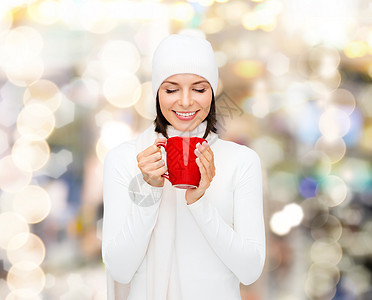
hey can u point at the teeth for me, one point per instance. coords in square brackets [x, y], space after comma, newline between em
[186, 115]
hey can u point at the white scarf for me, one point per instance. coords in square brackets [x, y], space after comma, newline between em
[162, 269]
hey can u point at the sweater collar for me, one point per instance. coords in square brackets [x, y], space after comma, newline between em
[197, 131]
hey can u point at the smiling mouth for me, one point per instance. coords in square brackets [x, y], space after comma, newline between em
[186, 114]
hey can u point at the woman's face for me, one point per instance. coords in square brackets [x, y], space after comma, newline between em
[185, 100]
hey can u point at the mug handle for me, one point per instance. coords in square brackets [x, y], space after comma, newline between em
[163, 144]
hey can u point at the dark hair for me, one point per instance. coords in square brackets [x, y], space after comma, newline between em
[161, 122]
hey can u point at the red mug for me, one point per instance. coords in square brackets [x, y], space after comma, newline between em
[183, 171]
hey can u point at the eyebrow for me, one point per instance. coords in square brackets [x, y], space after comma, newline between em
[178, 84]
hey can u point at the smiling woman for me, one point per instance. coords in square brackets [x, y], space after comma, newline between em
[194, 243]
[184, 80]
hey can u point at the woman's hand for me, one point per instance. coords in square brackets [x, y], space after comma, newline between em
[151, 164]
[205, 161]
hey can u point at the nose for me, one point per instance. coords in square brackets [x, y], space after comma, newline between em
[186, 99]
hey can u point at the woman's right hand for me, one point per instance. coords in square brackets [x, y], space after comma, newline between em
[151, 164]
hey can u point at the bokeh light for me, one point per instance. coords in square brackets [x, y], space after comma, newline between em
[33, 203]
[357, 173]
[326, 251]
[26, 279]
[45, 12]
[44, 92]
[113, 133]
[12, 178]
[278, 64]
[122, 89]
[182, 11]
[282, 221]
[145, 105]
[35, 122]
[335, 149]
[147, 37]
[321, 281]
[20, 55]
[326, 227]
[20, 44]
[325, 84]
[95, 16]
[11, 225]
[120, 56]
[308, 187]
[334, 123]
[248, 69]
[212, 25]
[324, 61]
[333, 190]
[30, 155]
[27, 73]
[26, 247]
[342, 99]
[356, 49]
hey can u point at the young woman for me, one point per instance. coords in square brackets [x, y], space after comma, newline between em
[166, 243]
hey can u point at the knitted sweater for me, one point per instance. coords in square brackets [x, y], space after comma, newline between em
[219, 239]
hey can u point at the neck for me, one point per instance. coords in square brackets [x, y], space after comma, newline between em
[197, 131]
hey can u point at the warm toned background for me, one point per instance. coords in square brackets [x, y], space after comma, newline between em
[295, 85]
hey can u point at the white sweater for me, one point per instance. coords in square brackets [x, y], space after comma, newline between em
[220, 239]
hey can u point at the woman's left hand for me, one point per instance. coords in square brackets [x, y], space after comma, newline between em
[205, 162]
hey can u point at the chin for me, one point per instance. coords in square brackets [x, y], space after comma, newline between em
[184, 127]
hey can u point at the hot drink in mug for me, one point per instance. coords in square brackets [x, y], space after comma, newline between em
[183, 172]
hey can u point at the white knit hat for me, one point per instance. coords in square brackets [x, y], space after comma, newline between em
[181, 53]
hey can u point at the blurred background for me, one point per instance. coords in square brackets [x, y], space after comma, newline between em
[295, 85]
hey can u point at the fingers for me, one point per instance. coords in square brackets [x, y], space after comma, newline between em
[150, 160]
[160, 171]
[152, 171]
[203, 172]
[151, 164]
[206, 150]
[160, 139]
[205, 179]
[209, 173]
[206, 157]
[150, 151]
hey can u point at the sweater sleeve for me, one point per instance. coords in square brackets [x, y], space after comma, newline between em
[131, 208]
[242, 248]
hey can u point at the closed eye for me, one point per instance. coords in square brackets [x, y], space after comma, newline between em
[172, 91]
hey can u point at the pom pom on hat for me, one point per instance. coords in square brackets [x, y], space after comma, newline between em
[182, 53]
